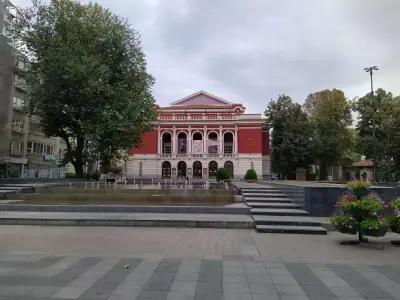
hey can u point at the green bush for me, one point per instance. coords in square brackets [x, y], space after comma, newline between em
[222, 174]
[359, 188]
[395, 204]
[250, 175]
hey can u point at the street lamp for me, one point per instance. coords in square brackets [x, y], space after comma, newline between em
[371, 70]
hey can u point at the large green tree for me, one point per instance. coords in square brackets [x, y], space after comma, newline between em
[87, 81]
[330, 114]
[372, 108]
[391, 133]
[291, 136]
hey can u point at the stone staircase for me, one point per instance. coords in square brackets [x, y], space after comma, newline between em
[274, 212]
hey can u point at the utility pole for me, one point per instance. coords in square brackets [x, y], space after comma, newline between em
[371, 70]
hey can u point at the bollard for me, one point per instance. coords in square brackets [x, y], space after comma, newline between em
[92, 185]
[70, 186]
[125, 183]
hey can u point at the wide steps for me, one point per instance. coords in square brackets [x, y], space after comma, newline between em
[268, 200]
[272, 205]
[285, 220]
[261, 191]
[291, 229]
[278, 212]
[264, 195]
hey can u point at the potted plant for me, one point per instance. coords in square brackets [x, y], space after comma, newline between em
[251, 175]
[394, 221]
[344, 224]
[360, 211]
[375, 226]
[359, 188]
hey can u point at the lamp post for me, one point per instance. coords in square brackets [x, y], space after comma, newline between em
[371, 70]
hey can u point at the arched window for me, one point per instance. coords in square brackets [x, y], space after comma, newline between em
[197, 143]
[166, 143]
[228, 143]
[212, 168]
[181, 169]
[182, 143]
[212, 143]
[166, 169]
[197, 169]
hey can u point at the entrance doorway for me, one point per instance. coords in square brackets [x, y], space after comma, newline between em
[181, 169]
[197, 169]
[212, 168]
[228, 165]
[166, 169]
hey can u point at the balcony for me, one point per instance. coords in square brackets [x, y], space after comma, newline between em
[166, 154]
[17, 129]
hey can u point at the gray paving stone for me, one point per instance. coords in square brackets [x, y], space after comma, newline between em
[355, 279]
[152, 295]
[180, 295]
[262, 288]
[237, 296]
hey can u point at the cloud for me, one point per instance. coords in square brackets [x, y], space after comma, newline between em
[252, 51]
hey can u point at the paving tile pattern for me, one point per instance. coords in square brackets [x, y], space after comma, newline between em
[222, 278]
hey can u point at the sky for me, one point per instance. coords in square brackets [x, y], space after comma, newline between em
[251, 51]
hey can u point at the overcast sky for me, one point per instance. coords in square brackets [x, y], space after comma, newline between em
[251, 51]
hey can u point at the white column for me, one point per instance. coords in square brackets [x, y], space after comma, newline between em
[189, 141]
[159, 151]
[221, 139]
[174, 141]
[205, 140]
[236, 141]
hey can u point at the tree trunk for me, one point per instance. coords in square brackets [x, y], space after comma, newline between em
[105, 165]
[78, 165]
[323, 170]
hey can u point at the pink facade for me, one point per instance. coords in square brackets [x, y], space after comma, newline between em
[198, 134]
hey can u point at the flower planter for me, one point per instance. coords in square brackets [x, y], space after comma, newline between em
[375, 232]
[347, 230]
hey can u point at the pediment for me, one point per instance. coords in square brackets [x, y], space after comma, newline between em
[201, 98]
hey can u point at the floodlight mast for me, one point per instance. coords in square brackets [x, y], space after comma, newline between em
[371, 70]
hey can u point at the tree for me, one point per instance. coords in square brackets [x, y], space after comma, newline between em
[291, 135]
[351, 153]
[87, 81]
[330, 114]
[391, 133]
[371, 107]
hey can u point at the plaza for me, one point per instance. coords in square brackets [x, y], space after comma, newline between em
[171, 263]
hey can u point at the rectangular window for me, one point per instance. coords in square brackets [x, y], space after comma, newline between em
[16, 147]
[29, 147]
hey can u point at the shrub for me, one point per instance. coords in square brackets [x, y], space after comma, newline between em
[359, 188]
[222, 174]
[394, 222]
[395, 204]
[345, 224]
[250, 175]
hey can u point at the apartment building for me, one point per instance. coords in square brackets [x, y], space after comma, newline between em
[24, 150]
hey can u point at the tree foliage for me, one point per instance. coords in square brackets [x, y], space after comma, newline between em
[369, 107]
[291, 136]
[87, 81]
[330, 114]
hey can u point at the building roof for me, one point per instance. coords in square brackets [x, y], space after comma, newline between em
[201, 98]
[363, 163]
